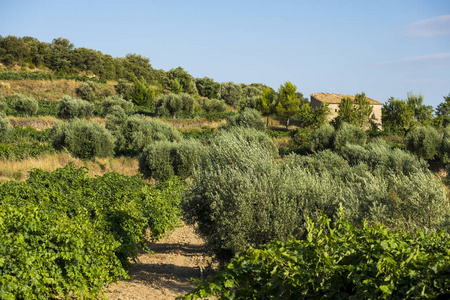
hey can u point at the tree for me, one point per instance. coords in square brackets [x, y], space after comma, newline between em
[267, 103]
[86, 91]
[230, 93]
[142, 94]
[172, 104]
[288, 103]
[208, 88]
[357, 111]
[404, 115]
[443, 112]
[24, 104]
[75, 108]
[186, 80]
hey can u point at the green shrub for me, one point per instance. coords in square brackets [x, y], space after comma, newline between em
[381, 158]
[86, 91]
[249, 102]
[3, 105]
[248, 118]
[242, 196]
[347, 133]
[338, 261]
[83, 139]
[23, 104]
[5, 129]
[444, 153]
[163, 159]
[112, 101]
[153, 130]
[75, 108]
[322, 138]
[301, 140]
[424, 142]
[213, 106]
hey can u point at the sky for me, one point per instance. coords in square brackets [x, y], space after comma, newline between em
[384, 48]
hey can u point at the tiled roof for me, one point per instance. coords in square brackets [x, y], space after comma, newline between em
[336, 98]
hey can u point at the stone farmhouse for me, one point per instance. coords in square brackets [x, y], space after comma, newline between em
[334, 100]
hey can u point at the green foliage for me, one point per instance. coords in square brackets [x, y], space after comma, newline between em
[86, 91]
[444, 151]
[3, 105]
[403, 115]
[288, 102]
[142, 94]
[150, 131]
[75, 108]
[83, 139]
[347, 133]
[301, 140]
[184, 80]
[248, 118]
[249, 102]
[213, 106]
[208, 88]
[171, 104]
[443, 112]
[425, 142]
[267, 103]
[230, 93]
[17, 152]
[322, 138]
[124, 89]
[23, 104]
[312, 118]
[242, 196]
[338, 261]
[66, 235]
[163, 159]
[41, 76]
[5, 129]
[357, 111]
[116, 100]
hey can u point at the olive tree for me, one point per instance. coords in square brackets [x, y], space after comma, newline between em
[23, 104]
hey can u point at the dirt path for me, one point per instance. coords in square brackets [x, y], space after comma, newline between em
[167, 273]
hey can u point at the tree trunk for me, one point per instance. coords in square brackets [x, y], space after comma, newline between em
[267, 125]
[287, 123]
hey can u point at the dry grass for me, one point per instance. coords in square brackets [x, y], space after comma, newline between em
[49, 89]
[18, 170]
[197, 122]
[37, 122]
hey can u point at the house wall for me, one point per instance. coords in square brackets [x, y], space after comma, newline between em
[334, 110]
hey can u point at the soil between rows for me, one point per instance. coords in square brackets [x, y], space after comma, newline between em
[168, 272]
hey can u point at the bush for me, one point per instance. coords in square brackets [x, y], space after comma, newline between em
[248, 118]
[171, 104]
[75, 108]
[213, 106]
[150, 131]
[23, 104]
[424, 142]
[322, 138]
[347, 133]
[338, 261]
[83, 139]
[379, 157]
[444, 153]
[86, 91]
[112, 101]
[3, 105]
[5, 129]
[249, 102]
[163, 159]
[241, 196]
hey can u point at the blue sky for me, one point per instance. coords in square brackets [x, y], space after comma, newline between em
[382, 48]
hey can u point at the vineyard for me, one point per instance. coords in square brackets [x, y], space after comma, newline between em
[285, 203]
